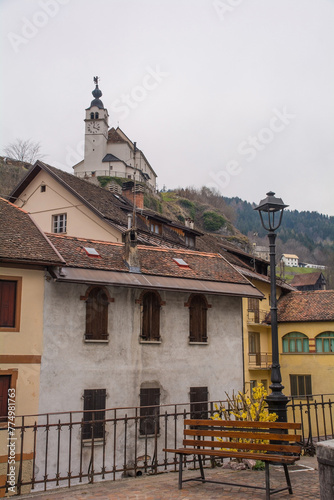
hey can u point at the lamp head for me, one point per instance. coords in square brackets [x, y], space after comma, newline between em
[268, 208]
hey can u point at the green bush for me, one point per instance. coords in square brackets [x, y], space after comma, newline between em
[213, 221]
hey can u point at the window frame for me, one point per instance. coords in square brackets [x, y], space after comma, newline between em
[150, 332]
[149, 402]
[198, 317]
[17, 305]
[13, 374]
[92, 399]
[296, 382]
[322, 337]
[199, 403]
[55, 223]
[289, 338]
[102, 310]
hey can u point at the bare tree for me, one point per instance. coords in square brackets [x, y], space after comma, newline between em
[27, 150]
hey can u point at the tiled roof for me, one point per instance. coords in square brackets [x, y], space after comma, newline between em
[306, 306]
[21, 240]
[305, 279]
[113, 209]
[154, 261]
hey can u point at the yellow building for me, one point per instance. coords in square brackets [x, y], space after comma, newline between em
[306, 342]
[257, 332]
[24, 254]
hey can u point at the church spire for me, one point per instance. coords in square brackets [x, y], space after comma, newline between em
[97, 94]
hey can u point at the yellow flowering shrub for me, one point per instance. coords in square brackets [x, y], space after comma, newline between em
[244, 407]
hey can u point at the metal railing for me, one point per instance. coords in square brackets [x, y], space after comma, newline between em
[260, 360]
[50, 450]
[256, 316]
[315, 413]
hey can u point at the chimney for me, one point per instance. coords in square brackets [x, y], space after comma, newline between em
[131, 251]
[128, 190]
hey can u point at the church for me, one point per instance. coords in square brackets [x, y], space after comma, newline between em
[109, 152]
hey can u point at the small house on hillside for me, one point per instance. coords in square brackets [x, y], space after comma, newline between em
[290, 260]
[309, 281]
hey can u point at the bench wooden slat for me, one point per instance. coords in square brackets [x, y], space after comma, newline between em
[283, 448]
[288, 459]
[242, 434]
[243, 423]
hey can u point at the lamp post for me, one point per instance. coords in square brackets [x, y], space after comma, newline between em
[271, 213]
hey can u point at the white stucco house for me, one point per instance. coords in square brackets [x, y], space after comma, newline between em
[290, 260]
[110, 152]
[126, 325]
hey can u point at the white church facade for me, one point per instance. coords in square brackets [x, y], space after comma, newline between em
[109, 152]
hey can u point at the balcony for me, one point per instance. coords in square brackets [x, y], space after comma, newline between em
[256, 316]
[259, 361]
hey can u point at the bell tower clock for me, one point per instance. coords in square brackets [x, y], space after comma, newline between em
[96, 132]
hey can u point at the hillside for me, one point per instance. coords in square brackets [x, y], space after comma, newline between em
[11, 172]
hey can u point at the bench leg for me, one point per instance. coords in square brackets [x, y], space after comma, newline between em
[201, 468]
[287, 477]
[180, 471]
[267, 481]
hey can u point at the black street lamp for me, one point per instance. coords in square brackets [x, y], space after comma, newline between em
[271, 213]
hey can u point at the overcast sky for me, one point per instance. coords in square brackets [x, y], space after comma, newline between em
[233, 94]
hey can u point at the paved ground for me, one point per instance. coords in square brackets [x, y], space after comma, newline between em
[305, 485]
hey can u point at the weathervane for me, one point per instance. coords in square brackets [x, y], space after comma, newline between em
[96, 80]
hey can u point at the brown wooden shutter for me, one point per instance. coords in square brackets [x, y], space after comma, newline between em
[7, 303]
[4, 386]
[94, 399]
[97, 315]
[198, 319]
[199, 402]
[151, 317]
[149, 416]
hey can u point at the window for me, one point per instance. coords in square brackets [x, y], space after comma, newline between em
[59, 223]
[300, 386]
[324, 342]
[295, 342]
[92, 116]
[43, 188]
[199, 402]
[264, 382]
[10, 303]
[150, 316]
[149, 411]
[198, 318]
[4, 386]
[97, 301]
[94, 400]
[155, 228]
[252, 385]
[253, 307]
[96, 116]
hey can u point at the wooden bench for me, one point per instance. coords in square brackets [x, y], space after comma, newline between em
[272, 442]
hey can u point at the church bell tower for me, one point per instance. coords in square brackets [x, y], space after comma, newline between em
[96, 131]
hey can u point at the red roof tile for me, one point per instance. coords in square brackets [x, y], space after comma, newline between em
[21, 240]
[306, 306]
[154, 261]
[306, 279]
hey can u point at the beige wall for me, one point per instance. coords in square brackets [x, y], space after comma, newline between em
[81, 222]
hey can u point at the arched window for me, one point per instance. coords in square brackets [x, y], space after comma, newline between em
[324, 342]
[92, 116]
[295, 342]
[150, 316]
[198, 318]
[97, 301]
[96, 116]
